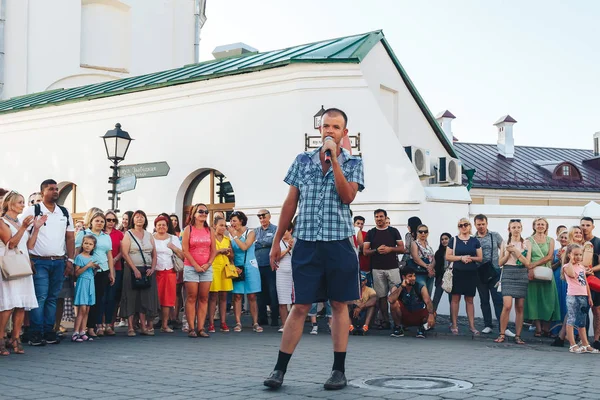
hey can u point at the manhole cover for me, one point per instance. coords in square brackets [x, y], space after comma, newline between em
[413, 384]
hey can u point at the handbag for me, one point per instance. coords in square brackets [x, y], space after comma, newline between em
[499, 283]
[15, 264]
[486, 271]
[177, 262]
[448, 274]
[242, 275]
[230, 271]
[594, 283]
[541, 273]
[144, 281]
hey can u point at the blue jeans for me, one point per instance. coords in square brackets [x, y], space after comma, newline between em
[107, 304]
[484, 291]
[48, 281]
[313, 309]
[426, 281]
[268, 296]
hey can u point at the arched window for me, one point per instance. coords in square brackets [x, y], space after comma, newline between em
[212, 188]
[566, 171]
[67, 197]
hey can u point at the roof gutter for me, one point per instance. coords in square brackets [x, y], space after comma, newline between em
[2, 23]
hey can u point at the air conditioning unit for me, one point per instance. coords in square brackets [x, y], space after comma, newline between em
[450, 171]
[420, 159]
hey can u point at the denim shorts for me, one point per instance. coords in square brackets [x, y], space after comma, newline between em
[325, 271]
[191, 275]
[577, 311]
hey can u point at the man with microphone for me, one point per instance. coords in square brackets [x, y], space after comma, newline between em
[323, 183]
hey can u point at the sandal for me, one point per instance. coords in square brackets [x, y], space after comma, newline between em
[576, 349]
[589, 349]
[518, 340]
[257, 328]
[202, 333]
[166, 330]
[3, 350]
[237, 328]
[475, 332]
[538, 334]
[109, 331]
[18, 348]
[224, 328]
[131, 333]
[454, 331]
[501, 338]
[192, 333]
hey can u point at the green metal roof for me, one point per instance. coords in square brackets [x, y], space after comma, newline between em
[349, 49]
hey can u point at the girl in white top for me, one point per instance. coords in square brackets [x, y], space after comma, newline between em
[16, 295]
[283, 276]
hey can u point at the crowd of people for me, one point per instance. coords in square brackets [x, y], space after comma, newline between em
[125, 273]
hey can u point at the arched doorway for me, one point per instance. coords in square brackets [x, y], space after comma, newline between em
[212, 188]
[67, 197]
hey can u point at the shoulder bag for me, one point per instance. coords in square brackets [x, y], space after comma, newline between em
[15, 264]
[448, 274]
[177, 262]
[486, 270]
[541, 273]
[230, 270]
[144, 281]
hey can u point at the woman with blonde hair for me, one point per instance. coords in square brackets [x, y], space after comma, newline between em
[105, 276]
[515, 257]
[16, 295]
[464, 251]
[112, 293]
[541, 303]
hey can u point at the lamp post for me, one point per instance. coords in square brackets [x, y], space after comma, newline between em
[317, 118]
[116, 142]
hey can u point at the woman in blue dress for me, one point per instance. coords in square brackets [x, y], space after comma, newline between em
[242, 242]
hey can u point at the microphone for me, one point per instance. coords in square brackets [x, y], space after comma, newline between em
[328, 152]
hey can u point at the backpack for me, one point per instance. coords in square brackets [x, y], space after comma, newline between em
[37, 211]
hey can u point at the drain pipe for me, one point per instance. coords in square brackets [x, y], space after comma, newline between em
[2, 21]
[199, 20]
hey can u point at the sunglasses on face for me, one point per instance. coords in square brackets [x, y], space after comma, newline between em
[111, 220]
[463, 225]
[202, 212]
[262, 215]
[515, 220]
[423, 232]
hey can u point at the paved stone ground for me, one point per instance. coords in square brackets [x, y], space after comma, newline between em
[232, 366]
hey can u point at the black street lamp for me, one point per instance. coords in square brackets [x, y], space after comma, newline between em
[116, 142]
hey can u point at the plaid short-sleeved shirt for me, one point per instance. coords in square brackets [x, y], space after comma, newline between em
[322, 216]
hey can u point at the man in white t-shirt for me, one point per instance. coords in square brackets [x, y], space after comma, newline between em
[52, 258]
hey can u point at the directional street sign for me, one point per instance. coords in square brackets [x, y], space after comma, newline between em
[126, 183]
[147, 170]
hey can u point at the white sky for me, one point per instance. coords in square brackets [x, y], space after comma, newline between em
[537, 60]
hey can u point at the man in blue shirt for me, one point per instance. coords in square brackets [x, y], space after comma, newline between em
[323, 183]
[262, 246]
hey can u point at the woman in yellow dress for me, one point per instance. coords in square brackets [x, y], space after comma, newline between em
[220, 284]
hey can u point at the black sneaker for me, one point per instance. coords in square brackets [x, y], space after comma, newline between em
[275, 380]
[421, 332]
[558, 342]
[51, 338]
[596, 344]
[35, 339]
[397, 332]
[336, 381]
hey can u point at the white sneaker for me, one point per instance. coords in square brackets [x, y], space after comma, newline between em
[487, 330]
[315, 330]
[123, 323]
[280, 330]
[509, 333]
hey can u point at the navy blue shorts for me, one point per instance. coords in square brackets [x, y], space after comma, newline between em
[325, 271]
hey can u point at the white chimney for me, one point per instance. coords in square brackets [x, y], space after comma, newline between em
[231, 50]
[445, 120]
[506, 139]
[596, 144]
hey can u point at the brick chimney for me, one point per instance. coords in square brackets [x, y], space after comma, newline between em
[596, 144]
[506, 139]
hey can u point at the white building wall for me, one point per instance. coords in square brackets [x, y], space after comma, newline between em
[44, 47]
[411, 126]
